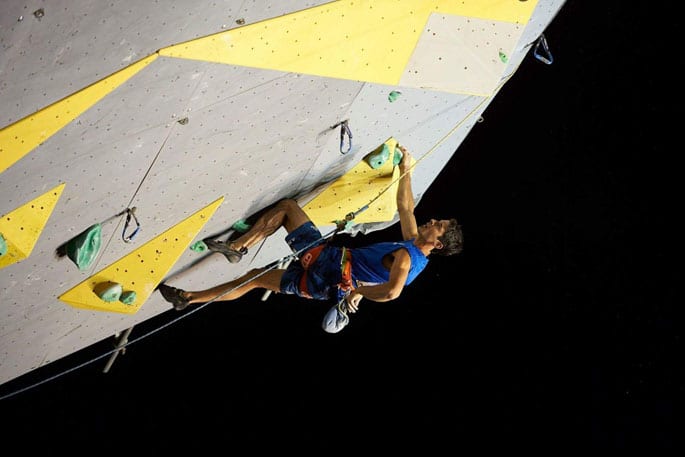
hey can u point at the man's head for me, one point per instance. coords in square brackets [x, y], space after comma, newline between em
[445, 234]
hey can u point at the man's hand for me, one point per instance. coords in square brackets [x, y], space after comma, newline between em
[352, 300]
[405, 163]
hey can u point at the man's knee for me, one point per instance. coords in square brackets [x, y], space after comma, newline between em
[288, 205]
[294, 214]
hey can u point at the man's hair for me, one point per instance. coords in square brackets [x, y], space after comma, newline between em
[452, 240]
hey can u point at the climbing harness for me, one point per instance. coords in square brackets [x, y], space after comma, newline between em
[310, 257]
[546, 59]
[346, 285]
[344, 132]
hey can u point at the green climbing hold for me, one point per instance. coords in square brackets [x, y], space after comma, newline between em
[394, 95]
[503, 57]
[397, 158]
[241, 226]
[198, 246]
[128, 297]
[378, 157]
[343, 224]
[83, 248]
[109, 291]
[3, 245]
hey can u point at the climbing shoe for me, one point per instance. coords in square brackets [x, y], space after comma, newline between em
[232, 255]
[173, 296]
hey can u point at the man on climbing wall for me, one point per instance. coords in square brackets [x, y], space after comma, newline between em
[378, 272]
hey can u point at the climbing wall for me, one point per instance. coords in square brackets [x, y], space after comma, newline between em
[227, 107]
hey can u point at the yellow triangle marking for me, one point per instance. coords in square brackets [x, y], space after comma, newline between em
[18, 139]
[354, 190]
[143, 269]
[22, 227]
[358, 40]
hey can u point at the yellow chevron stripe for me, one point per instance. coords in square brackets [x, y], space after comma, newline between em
[18, 139]
[359, 40]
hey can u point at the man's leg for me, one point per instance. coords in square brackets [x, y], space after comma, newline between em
[254, 279]
[286, 213]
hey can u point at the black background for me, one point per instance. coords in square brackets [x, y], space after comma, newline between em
[554, 327]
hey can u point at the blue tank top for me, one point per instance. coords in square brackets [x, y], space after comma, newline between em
[367, 262]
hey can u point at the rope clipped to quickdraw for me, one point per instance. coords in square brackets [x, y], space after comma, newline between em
[84, 248]
[344, 224]
[546, 59]
[344, 132]
[130, 215]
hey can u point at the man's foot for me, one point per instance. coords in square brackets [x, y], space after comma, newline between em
[174, 296]
[232, 255]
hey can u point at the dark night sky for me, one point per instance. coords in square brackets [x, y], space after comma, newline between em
[555, 326]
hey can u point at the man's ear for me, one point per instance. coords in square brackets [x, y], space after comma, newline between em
[438, 244]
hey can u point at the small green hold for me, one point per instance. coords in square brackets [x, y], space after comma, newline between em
[377, 158]
[198, 246]
[109, 291]
[503, 57]
[241, 226]
[343, 224]
[394, 95]
[397, 158]
[128, 297]
[3, 245]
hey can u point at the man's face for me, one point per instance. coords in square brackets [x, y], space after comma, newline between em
[433, 229]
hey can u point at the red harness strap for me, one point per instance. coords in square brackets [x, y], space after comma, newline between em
[312, 255]
[306, 261]
[346, 271]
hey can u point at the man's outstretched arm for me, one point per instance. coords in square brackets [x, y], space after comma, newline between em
[405, 197]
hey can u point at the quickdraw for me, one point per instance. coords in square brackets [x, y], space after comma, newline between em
[548, 59]
[130, 215]
[344, 132]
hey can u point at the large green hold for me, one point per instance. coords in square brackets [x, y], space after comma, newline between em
[378, 157]
[84, 248]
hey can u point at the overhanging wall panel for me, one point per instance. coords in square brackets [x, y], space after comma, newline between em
[76, 43]
[252, 136]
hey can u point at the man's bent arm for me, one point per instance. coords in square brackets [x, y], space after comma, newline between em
[388, 290]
